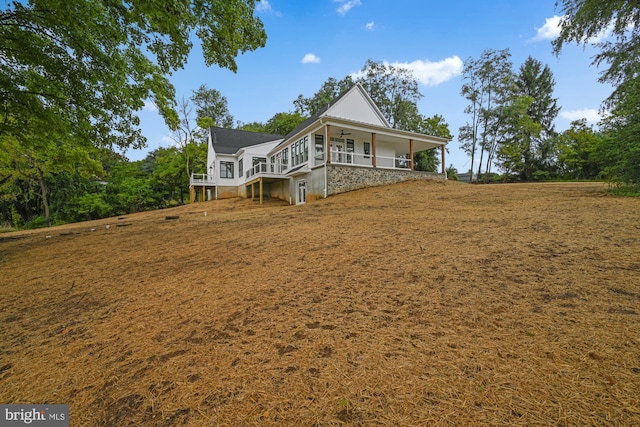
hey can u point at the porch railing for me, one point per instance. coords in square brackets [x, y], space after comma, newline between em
[360, 159]
[266, 168]
[202, 179]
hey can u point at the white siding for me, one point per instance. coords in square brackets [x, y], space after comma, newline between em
[354, 106]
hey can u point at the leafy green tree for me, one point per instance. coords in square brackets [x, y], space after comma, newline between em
[168, 179]
[129, 189]
[95, 62]
[452, 173]
[579, 150]
[393, 89]
[517, 130]
[38, 159]
[487, 81]
[212, 104]
[330, 90]
[252, 127]
[428, 160]
[283, 123]
[74, 73]
[536, 82]
[582, 22]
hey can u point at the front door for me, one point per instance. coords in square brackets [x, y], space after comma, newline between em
[301, 197]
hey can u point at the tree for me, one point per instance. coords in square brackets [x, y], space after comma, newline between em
[185, 131]
[38, 158]
[73, 74]
[393, 89]
[536, 82]
[487, 80]
[578, 151]
[252, 127]
[168, 179]
[583, 21]
[94, 63]
[517, 129]
[283, 123]
[436, 125]
[210, 103]
[330, 90]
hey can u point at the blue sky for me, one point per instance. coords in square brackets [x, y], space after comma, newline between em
[310, 41]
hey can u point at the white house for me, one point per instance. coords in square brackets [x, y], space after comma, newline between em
[364, 151]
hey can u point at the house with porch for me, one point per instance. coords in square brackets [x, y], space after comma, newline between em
[346, 145]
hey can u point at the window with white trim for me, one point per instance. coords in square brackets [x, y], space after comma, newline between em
[300, 151]
[320, 147]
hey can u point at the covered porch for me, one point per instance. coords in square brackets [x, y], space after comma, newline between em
[376, 147]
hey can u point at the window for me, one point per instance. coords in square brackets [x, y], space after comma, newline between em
[240, 167]
[226, 170]
[285, 158]
[367, 150]
[320, 147]
[300, 151]
[350, 149]
[273, 162]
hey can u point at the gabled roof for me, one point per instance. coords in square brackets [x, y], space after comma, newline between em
[229, 141]
[358, 94]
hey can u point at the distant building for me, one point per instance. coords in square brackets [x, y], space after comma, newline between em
[466, 177]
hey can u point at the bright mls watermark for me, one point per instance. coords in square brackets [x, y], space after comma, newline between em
[34, 415]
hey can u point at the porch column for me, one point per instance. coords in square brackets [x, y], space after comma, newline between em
[327, 152]
[252, 192]
[192, 194]
[204, 198]
[442, 150]
[411, 154]
[260, 190]
[373, 150]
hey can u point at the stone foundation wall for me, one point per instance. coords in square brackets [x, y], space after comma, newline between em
[347, 178]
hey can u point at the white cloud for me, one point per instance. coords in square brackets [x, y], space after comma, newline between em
[602, 35]
[433, 73]
[369, 26]
[426, 72]
[550, 30]
[150, 106]
[310, 58]
[346, 5]
[591, 114]
[263, 6]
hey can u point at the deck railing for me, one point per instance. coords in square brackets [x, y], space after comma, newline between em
[267, 168]
[202, 179]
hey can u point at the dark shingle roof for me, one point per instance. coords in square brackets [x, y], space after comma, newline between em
[229, 141]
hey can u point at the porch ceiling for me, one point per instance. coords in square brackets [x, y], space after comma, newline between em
[402, 141]
[362, 132]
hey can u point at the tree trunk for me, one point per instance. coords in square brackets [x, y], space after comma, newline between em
[45, 200]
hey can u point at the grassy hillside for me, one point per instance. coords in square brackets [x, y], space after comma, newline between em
[413, 304]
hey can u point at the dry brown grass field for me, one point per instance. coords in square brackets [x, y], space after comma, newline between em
[416, 304]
